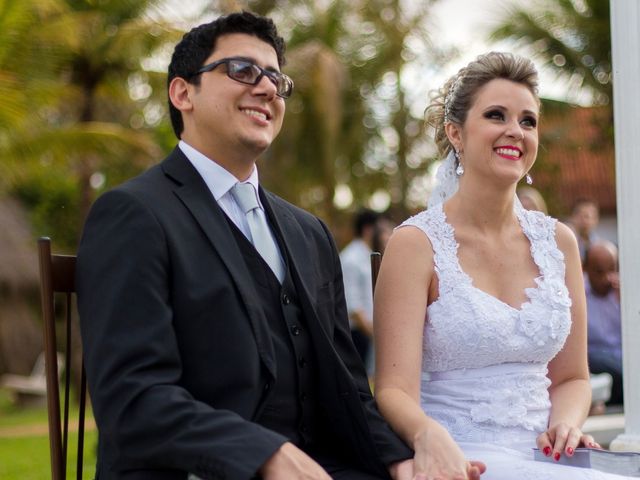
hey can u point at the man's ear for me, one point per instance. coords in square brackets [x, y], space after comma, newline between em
[180, 94]
[454, 134]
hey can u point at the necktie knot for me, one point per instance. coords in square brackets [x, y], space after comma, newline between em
[245, 195]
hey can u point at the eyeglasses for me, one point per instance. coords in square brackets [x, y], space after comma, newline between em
[249, 73]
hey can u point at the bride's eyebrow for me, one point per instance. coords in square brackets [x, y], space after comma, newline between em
[503, 108]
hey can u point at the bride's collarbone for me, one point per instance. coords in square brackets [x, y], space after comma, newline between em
[499, 269]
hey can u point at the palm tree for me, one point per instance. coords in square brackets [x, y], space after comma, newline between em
[571, 37]
[77, 64]
[341, 55]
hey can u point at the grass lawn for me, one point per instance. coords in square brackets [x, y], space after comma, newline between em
[27, 458]
[24, 444]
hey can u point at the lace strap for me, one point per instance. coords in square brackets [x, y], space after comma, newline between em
[540, 229]
[441, 235]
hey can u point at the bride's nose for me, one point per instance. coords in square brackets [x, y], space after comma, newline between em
[514, 130]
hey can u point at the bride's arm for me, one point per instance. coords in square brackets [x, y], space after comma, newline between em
[400, 305]
[570, 390]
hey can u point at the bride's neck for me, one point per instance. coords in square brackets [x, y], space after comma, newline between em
[484, 209]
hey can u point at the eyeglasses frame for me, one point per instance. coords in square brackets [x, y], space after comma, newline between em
[271, 75]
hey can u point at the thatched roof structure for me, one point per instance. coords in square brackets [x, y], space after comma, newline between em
[20, 334]
[18, 257]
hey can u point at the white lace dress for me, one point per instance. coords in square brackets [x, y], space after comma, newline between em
[485, 362]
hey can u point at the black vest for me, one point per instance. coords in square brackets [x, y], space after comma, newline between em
[291, 408]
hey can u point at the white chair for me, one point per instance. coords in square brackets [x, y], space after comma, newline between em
[31, 389]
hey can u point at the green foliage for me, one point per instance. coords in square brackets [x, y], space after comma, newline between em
[53, 201]
[349, 121]
[572, 38]
[76, 102]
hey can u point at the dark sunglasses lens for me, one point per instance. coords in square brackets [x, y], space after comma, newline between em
[244, 72]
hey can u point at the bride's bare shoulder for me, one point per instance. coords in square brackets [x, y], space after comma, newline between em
[410, 244]
[565, 238]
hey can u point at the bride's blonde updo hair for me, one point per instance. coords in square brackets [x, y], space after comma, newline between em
[452, 102]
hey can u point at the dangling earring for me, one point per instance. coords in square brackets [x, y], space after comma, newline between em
[459, 168]
[528, 179]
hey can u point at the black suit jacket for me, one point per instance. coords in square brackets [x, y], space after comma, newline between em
[178, 354]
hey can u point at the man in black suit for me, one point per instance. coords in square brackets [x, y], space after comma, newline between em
[205, 358]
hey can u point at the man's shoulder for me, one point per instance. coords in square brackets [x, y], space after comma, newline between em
[149, 183]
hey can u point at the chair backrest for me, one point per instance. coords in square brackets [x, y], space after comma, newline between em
[376, 258]
[57, 275]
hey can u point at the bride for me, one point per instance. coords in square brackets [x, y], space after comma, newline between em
[480, 320]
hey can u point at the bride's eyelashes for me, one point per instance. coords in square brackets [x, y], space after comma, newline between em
[494, 115]
[527, 121]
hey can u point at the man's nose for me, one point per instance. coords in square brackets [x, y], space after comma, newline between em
[265, 87]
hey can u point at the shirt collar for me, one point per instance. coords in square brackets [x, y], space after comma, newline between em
[218, 179]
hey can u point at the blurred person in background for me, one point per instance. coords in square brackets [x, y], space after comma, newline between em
[356, 271]
[584, 219]
[382, 233]
[602, 288]
[531, 199]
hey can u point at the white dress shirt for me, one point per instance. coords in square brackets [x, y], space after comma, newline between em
[356, 271]
[220, 181]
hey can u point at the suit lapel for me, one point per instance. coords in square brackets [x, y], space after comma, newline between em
[296, 251]
[197, 198]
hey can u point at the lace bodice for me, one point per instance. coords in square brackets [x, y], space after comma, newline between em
[468, 328]
[485, 362]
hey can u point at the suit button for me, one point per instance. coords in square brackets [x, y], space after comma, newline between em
[303, 397]
[267, 386]
[302, 362]
[285, 299]
[295, 330]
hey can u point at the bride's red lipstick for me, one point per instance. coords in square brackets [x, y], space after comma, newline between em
[509, 152]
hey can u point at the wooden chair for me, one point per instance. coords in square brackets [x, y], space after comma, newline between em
[57, 275]
[376, 259]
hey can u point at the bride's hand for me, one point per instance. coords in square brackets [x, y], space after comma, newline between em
[564, 439]
[438, 456]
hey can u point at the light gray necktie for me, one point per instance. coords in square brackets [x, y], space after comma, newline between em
[245, 195]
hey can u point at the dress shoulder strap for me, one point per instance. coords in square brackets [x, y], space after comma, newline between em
[434, 224]
[540, 229]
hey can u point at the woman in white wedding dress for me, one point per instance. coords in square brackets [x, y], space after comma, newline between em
[480, 318]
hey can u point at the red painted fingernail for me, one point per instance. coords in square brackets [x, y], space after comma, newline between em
[546, 451]
[556, 456]
[569, 451]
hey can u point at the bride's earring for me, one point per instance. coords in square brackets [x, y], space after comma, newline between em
[528, 179]
[459, 168]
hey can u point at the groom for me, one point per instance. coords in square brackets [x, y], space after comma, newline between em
[213, 318]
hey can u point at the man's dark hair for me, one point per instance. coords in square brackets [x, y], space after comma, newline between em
[363, 219]
[198, 44]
